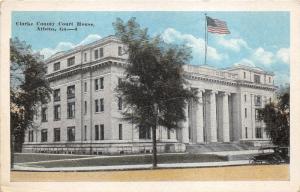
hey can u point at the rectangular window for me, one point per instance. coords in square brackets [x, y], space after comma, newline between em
[269, 79]
[56, 66]
[96, 84]
[85, 86]
[44, 114]
[120, 132]
[246, 132]
[44, 135]
[144, 133]
[257, 100]
[85, 132]
[101, 132]
[85, 107]
[96, 54]
[256, 79]
[71, 110]
[30, 136]
[256, 114]
[56, 112]
[102, 104]
[169, 133]
[96, 105]
[245, 112]
[101, 52]
[71, 61]
[71, 133]
[97, 132]
[85, 57]
[56, 95]
[119, 51]
[56, 134]
[71, 92]
[102, 83]
[120, 103]
[258, 132]
[244, 75]
[245, 98]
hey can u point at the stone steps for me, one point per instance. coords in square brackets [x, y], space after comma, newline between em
[217, 147]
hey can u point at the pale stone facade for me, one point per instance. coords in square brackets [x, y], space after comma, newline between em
[84, 116]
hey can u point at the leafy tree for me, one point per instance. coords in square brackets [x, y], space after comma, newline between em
[154, 80]
[28, 88]
[277, 119]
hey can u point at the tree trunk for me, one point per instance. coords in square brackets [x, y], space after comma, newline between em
[154, 149]
[12, 150]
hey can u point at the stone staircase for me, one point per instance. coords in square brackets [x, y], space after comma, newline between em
[218, 147]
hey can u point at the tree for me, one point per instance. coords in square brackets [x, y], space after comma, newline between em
[28, 88]
[277, 118]
[153, 90]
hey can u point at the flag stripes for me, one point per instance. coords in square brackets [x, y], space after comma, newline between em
[217, 26]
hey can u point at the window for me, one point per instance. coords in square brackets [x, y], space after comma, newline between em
[101, 52]
[102, 104]
[169, 133]
[258, 132]
[71, 61]
[85, 86]
[144, 133]
[119, 51]
[44, 134]
[85, 107]
[246, 132]
[102, 132]
[85, 132]
[96, 84]
[71, 91]
[56, 112]
[56, 95]
[256, 79]
[56, 134]
[120, 103]
[44, 114]
[245, 112]
[71, 110]
[244, 75]
[257, 100]
[256, 114]
[245, 98]
[96, 54]
[102, 83]
[85, 57]
[97, 132]
[71, 133]
[120, 132]
[56, 66]
[96, 105]
[30, 136]
[269, 79]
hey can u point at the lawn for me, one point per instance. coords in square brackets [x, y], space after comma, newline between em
[131, 160]
[29, 157]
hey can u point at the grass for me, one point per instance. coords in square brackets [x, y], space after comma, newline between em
[24, 157]
[132, 160]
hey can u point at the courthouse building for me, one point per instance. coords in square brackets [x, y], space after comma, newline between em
[84, 113]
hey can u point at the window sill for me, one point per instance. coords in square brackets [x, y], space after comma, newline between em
[56, 119]
[99, 112]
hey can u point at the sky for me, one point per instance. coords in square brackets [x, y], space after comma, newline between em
[260, 39]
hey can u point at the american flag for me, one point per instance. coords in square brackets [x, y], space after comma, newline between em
[216, 26]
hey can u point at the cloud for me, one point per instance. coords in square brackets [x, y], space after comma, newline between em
[262, 56]
[64, 46]
[283, 55]
[170, 35]
[233, 44]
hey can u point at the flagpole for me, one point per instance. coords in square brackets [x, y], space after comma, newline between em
[205, 37]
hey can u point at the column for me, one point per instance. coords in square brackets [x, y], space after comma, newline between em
[185, 126]
[225, 118]
[213, 117]
[199, 118]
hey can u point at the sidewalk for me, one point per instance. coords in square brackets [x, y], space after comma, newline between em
[132, 167]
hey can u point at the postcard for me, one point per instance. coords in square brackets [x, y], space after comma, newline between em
[133, 96]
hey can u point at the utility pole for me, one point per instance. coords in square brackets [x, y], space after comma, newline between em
[154, 148]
